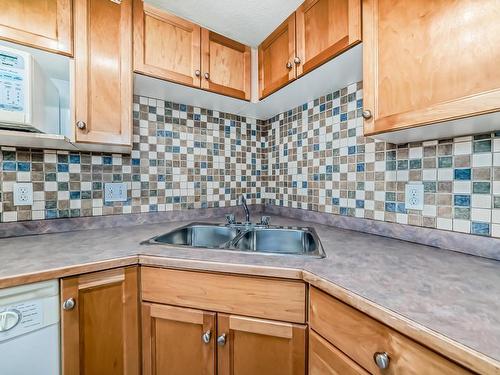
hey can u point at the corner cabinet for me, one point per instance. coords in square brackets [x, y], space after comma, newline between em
[174, 49]
[100, 326]
[103, 74]
[43, 24]
[318, 31]
[200, 323]
[427, 62]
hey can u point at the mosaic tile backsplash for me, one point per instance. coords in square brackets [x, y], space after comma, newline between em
[183, 157]
[312, 157]
[319, 160]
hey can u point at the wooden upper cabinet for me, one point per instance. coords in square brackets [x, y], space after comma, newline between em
[44, 24]
[429, 61]
[100, 333]
[326, 28]
[177, 340]
[226, 65]
[166, 46]
[277, 65]
[103, 72]
[249, 346]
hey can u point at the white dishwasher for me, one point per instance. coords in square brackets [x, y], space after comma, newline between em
[29, 329]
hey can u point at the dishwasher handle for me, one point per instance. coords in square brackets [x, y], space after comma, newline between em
[9, 319]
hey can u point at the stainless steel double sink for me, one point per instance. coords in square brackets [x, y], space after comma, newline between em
[262, 239]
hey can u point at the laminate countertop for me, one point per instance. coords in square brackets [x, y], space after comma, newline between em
[443, 299]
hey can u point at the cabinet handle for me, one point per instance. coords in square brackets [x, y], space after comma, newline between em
[197, 73]
[207, 76]
[206, 337]
[381, 359]
[296, 60]
[81, 125]
[289, 65]
[367, 114]
[69, 304]
[221, 340]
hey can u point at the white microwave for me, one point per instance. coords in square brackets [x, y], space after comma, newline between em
[29, 100]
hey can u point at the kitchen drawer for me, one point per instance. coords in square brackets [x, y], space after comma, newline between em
[360, 337]
[274, 299]
[325, 359]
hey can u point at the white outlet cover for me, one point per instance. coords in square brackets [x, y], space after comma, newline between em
[115, 192]
[23, 194]
[414, 197]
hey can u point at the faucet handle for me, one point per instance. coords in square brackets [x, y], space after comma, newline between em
[230, 219]
[265, 220]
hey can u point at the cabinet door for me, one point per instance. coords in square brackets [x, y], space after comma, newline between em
[100, 333]
[326, 28]
[276, 58]
[177, 340]
[249, 346]
[166, 46]
[429, 61]
[225, 65]
[44, 24]
[325, 359]
[103, 72]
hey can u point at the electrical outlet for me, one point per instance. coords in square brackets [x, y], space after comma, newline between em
[23, 194]
[115, 192]
[414, 197]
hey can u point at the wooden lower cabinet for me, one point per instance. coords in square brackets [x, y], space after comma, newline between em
[100, 327]
[177, 340]
[256, 346]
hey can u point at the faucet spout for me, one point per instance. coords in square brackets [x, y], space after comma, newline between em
[245, 207]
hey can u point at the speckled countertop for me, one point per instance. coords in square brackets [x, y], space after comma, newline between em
[455, 295]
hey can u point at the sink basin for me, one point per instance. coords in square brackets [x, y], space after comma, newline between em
[245, 238]
[279, 241]
[198, 235]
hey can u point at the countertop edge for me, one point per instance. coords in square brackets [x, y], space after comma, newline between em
[449, 348]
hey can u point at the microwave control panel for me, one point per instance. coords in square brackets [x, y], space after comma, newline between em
[12, 81]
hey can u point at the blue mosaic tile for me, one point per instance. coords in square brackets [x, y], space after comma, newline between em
[480, 228]
[462, 200]
[74, 159]
[9, 166]
[462, 174]
[62, 167]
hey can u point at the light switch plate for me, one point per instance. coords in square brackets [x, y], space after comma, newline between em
[115, 192]
[23, 194]
[414, 197]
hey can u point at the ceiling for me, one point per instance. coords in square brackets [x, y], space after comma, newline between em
[246, 21]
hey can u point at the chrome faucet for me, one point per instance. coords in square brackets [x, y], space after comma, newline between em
[243, 202]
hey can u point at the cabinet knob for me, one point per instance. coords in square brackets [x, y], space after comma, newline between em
[69, 304]
[81, 125]
[197, 73]
[296, 60]
[207, 75]
[221, 340]
[381, 359]
[367, 114]
[206, 337]
[289, 65]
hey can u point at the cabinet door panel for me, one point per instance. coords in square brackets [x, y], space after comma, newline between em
[257, 346]
[166, 46]
[325, 359]
[228, 65]
[172, 340]
[326, 28]
[100, 334]
[103, 72]
[44, 24]
[275, 53]
[429, 61]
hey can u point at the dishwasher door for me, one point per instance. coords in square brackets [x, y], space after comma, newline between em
[29, 329]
